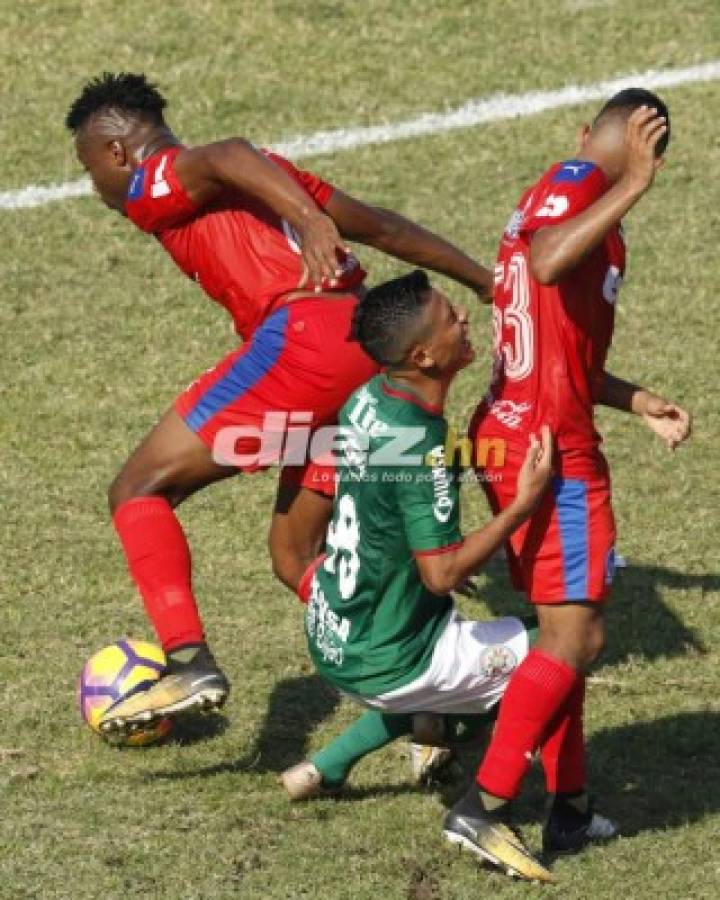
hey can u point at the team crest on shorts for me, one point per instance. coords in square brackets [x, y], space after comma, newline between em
[497, 660]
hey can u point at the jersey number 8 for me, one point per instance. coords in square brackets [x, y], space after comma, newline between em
[343, 540]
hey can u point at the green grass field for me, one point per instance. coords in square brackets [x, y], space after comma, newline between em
[101, 333]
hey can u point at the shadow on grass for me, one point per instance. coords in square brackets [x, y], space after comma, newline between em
[658, 774]
[639, 623]
[646, 776]
[296, 707]
[194, 729]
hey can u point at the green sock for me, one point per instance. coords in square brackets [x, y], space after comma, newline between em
[371, 731]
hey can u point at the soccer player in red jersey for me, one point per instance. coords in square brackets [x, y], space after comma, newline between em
[558, 271]
[263, 239]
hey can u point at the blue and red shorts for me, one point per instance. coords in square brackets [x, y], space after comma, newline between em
[565, 551]
[262, 404]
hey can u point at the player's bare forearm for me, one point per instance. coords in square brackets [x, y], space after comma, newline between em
[558, 250]
[670, 422]
[235, 164]
[444, 572]
[394, 234]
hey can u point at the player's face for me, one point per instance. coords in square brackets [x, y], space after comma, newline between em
[449, 343]
[107, 163]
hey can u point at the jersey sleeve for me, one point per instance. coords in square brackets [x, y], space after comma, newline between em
[156, 199]
[321, 191]
[569, 189]
[428, 497]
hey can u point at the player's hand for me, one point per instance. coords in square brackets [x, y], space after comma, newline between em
[643, 130]
[320, 244]
[536, 472]
[671, 423]
[467, 587]
[484, 286]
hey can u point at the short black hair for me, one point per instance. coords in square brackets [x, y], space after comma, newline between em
[125, 92]
[385, 319]
[630, 99]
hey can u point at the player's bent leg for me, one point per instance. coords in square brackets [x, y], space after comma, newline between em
[326, 772]
[573, 632]
[170, 462]
[168, 466]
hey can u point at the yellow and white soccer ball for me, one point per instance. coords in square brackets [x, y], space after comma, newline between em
[115, 673]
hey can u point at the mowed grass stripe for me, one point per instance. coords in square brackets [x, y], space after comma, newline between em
[468, 115]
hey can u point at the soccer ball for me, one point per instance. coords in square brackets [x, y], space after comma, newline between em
[117, 672]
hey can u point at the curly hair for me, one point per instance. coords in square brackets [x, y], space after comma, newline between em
[385, 322]
[124, 93]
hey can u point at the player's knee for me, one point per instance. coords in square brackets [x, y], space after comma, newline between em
[593, 643]
[159, 482]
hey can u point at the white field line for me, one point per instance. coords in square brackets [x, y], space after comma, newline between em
[471, 113]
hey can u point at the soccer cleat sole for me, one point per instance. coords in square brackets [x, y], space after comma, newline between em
[530, 870]
[204, 701]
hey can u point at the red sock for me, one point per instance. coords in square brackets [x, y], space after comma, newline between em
[158, 557]
[537, 689]
[563, 753]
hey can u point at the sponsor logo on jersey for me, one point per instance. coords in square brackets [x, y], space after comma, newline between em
[443, 503]
[515, 223]
[573, 170]
[137, 184]
[497, 660]
[553, 206]
[509, 413]
[326, 628]
[512, 229]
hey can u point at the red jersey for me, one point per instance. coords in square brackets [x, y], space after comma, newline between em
[242, 254]
[551, 341]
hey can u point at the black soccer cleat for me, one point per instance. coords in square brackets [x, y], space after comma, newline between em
[488, 835]
[569, 829]
[192, 682]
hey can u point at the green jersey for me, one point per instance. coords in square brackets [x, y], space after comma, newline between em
[371, 623]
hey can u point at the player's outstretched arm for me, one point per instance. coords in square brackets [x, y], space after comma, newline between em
[394, 234]
[444, 572]
[669, 422]
[558, 250]
[207, 170]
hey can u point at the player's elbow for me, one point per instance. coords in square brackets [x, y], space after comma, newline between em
[543, 269]
[436, 575]
[545, 265]
[386, 231]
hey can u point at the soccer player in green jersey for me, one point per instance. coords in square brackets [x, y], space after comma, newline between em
[380, 621]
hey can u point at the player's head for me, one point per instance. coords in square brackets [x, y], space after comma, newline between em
[607, 131]
[406, 324]
[113, 116]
